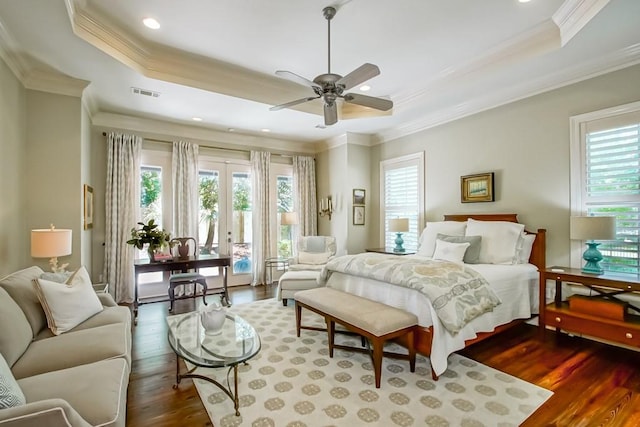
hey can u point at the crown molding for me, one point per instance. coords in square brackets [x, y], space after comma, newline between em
[598, 66]
[207, 137]
[8, 49]
[573, 15]
[57, 83]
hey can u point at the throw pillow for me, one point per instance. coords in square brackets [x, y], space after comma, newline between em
[68, 304]
[313, 258]
[473, 251]
[526, 246]
[427, 242]
[447, 251]
[10, 392]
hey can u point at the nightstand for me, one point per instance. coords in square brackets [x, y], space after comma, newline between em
[592, 322]
[389, 251]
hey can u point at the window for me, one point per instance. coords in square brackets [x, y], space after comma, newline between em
[606, 180]
[284, 198]
[402, 189]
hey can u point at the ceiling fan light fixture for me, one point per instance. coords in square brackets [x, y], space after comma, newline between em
[331, 87]
[365, 88]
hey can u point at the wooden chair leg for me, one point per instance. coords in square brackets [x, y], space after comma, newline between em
[203, 283]
[331, 334]
[172, 297]
[298, 318]
[412, 351]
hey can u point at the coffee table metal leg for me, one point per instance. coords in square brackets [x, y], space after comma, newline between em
[233, 395]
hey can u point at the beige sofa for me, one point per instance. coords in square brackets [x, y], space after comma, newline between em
[78, 378]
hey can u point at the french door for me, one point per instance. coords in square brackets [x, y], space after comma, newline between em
[226, 217]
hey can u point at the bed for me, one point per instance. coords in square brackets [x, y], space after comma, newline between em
[516, 286]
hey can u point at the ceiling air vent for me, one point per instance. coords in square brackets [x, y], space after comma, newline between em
[145, 92]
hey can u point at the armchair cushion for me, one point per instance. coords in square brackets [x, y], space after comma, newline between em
[313, 252]
[10, 392]
[314, 258]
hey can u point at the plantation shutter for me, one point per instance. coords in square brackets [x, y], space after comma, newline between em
[611, 187]
[402, 198]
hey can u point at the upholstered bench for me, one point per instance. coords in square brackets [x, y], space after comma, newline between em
[293, 281]
[373, 320]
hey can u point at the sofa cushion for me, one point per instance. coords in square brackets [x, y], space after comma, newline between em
[97, 391]
[68, 304]
[10, 393]
[15, 332]
[19, 286]
[75, 348]
[108, 316]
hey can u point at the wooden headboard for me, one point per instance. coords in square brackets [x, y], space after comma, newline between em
[538, 253]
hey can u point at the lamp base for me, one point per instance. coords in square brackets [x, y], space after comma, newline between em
[399, 242]
[592, 256]
[53, 262]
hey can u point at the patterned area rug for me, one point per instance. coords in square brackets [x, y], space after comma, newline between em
[292, 382]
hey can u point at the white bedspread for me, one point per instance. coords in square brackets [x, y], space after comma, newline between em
[515, 285]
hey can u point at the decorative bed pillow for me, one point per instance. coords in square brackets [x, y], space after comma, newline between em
[10, 392]
[499, 240]
[473, 251]
[68, 304]
[448, 251]
[427, 243]
[525, 248]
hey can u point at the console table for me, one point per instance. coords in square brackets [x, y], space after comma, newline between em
[604, 287]
[184, 265]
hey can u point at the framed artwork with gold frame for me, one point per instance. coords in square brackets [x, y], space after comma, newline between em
[88, 207]
[477, 188]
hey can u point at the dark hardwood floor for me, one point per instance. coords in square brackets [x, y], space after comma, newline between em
[594, 384]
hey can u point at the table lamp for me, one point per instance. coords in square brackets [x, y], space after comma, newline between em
[592, 228]
[399, 226]
[51, 243]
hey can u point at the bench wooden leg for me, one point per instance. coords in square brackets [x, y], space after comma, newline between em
[331, 334]
[378, 347]
[412, 351]
[298, 318]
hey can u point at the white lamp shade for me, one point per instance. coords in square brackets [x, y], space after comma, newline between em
[592, 227]
[49, 243]
[399, 225]
[288, 218]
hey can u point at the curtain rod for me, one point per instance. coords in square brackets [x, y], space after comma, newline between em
[213, 148]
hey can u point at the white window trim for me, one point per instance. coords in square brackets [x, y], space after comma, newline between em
[577, 135]
[419, 157]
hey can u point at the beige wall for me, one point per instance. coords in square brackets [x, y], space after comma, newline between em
[14, 237]
[54, 175]
[525, 143]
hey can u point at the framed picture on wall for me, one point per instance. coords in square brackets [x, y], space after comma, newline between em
[358, 215]
[477, 188]
[358, 196]
[88, 207]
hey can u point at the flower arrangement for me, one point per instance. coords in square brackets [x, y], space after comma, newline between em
[149, 234]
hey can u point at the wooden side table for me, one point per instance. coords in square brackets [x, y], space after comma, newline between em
[605, 287]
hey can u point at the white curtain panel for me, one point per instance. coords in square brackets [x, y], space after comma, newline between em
[262, 213]
[304, 189]
[184, 168]
[121, 204]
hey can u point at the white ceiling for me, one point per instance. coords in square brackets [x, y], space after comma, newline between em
[439, 59]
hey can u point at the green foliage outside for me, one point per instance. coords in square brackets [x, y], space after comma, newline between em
[209, 207]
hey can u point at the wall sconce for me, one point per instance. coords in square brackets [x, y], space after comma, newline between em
[326, 207]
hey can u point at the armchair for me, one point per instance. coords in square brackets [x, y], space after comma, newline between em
[313, 253]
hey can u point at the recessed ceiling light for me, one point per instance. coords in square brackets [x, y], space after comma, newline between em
[266, 130]
[151, 23]
[365, 88]
[197, 119]
[231, 130]
[524, 1]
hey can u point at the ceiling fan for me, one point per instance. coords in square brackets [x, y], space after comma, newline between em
[331, 87]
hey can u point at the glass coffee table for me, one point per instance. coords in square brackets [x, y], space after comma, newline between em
[236, 343]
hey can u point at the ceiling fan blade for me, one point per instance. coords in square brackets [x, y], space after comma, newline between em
[369, 101]
[359, 75]
[292, 103]
[296, 78]
[330, 114]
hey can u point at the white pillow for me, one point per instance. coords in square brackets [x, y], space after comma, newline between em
[499, 240]
[427, 243]
[525, 248]
[68, 304]
[448, 251]
[313, 257]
